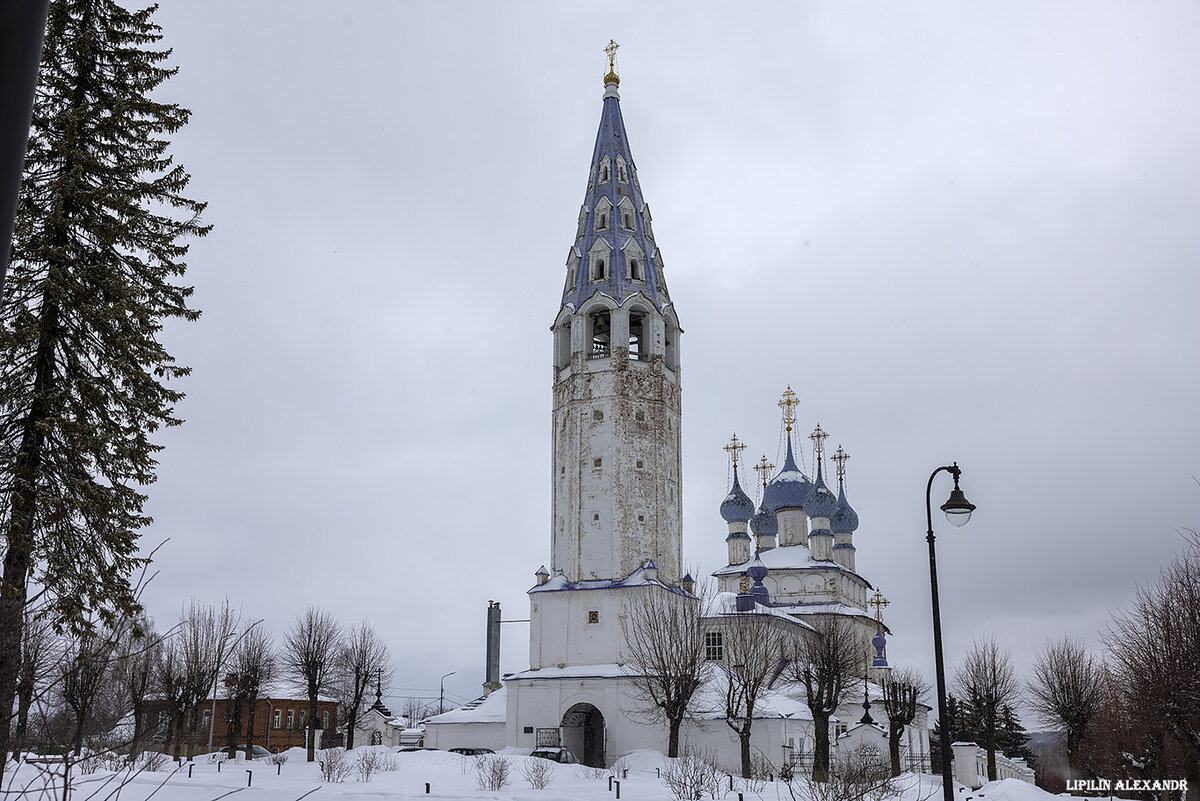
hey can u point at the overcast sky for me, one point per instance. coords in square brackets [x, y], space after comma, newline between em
[959, 231]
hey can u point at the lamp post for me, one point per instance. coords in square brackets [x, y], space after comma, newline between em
[442, 693]
[958, 511]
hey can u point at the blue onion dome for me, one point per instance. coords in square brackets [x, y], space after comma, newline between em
[820, 501]
[737, 506]
[757, 570]
[764, 523]
[789, 488]
[845, 519]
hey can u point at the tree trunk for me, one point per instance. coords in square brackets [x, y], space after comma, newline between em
[673, 737]
[894, 735]
[138, 726]
[24, 701]
[193, 718]
[744, 737]
[179, 734]
[1191, 772]
[312, 724]
[991, 754]
[234, 732]
[351, 720]
[820, 747]
[250, 724]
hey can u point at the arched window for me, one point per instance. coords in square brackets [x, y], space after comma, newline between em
[603, 224]
[671, 345]
[598, 270]
[626, 221]
[376, 737]
[638, 351]
[635, 270]
[600, 325]
[562, 345]
[604, 173]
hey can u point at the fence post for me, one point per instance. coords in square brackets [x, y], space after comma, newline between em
[249, 777]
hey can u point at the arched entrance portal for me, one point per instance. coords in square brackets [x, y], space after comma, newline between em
[583, 733]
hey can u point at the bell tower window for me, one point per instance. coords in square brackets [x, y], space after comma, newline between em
[635, 270]
[603, 224]
[637, 336]
[562, 345]
[598, 270]
[600, 323]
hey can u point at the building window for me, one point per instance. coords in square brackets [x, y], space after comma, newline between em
[527, 730]
[641, 518]
[714, 646]
[840, 729]
[635, 270]
[325, 719]
[595, 517]
[640, 464]
[597, 462]
[291, 719]
[593, 616]
[597, 414]
[640, 415]
[278, 721]
[603, 222]
[206, 719]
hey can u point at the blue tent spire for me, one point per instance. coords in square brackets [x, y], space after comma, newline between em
[615, 251]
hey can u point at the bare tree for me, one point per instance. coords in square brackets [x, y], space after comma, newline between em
[417, 709]
[137, 653]
[254, 664]
[825, 663]
[1155, 648]
[309, 649]
[363, 659]
[37, 647]
[83, 668]
[753, 653]
[902, 692]
[206, 637]
[664, 655]
[1066, 690]
[170, 681]
[987, 679]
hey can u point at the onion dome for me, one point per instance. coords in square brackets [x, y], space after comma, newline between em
[757, 570]
[790, 488]
[820, 501]
[737, 506]
[764, 523]
[845, 519]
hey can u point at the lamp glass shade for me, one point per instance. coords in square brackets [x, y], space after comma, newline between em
[958, 509]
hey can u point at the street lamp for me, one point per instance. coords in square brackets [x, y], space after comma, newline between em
[442, 693]
[958, 511]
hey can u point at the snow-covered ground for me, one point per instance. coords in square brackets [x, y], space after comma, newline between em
[449, 776]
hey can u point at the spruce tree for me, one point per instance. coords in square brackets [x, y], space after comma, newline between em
[98, 248]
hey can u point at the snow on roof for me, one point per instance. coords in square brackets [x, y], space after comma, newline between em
[637, 578]
[785, 557]
[822, 608]
[491, 708]
[605, 671]
[725, 605]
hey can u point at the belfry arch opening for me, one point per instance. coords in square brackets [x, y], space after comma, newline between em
[599, 333]
[583, 734]
[671, 345]
[562, 345]
[639, 347]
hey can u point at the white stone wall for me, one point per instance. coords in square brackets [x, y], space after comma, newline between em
[609, 516]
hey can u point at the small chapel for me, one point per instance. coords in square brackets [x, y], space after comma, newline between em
[616, 539]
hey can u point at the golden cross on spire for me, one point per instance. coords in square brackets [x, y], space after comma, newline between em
[764, 469]
[735, 448]
[788, 403]
[818, 436]
[839, 459]
[879, 602]
[611, 50]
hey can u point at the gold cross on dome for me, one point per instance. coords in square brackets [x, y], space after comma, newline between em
[839, 459]
[735, 448]
[818, 436]
[879, 602]
[788, 403]
[764, 469]
[611, 50]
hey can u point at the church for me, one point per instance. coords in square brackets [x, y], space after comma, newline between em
[616, 523]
